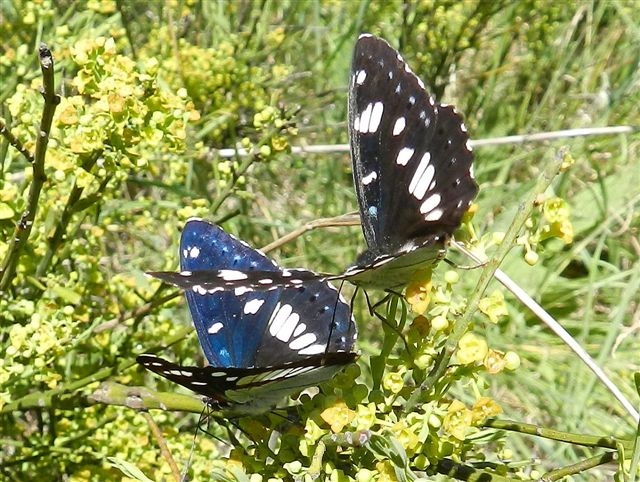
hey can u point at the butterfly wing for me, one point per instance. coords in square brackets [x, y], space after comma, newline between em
[309, 320]
[243, 391]
[412, 164]
[228, 329]
[212, 281]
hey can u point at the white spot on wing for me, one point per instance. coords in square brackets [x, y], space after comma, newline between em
[303, 341]
[398, 127]
[430, 203]
[369, 178]
[365, 117]
[434, 215]
[194, 252]
[376, 116]
[360, 77]
[404, 155]
[252, 307]
[283, 322]
[423, 183]
[299, 329]
[313, 350]
[421, 177]
[240, 290]
[215, 328]
[232, 275]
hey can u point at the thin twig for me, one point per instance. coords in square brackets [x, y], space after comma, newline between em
[162, 443]
[604, 442]
[23, 227]
[15, 142]
[349, 219]
[496, 141]
[554, 326]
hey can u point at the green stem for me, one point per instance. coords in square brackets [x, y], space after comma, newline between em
[15, 142]
[606, 442]
[141, 398]
[461, 326]
[582, 466]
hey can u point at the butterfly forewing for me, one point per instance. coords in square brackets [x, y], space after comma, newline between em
[411, 159]
[211, 281]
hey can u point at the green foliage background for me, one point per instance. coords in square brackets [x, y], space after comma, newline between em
[150, 91]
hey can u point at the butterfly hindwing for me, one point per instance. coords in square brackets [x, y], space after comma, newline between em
[245, 391]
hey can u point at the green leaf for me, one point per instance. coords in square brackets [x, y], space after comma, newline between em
[128, 469]
[5, 211]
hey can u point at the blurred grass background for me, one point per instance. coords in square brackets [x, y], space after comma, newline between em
[273, 74]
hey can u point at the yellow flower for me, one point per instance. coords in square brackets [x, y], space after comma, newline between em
[494, 362]
[338, 416]
[393, 382]
[471, 348]
[406, 436]
[386, 471]
[366, 416]
[494, 306]
[418, 295]
[457, 420]
[557, 214]
[483, 409]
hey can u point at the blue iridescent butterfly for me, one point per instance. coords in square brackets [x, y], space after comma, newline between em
[261, 345]
[412, 170]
